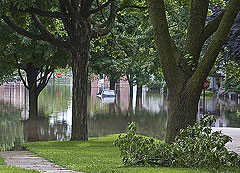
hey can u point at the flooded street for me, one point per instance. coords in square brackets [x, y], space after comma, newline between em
[106, 116]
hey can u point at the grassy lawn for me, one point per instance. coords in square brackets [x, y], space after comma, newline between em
[13, 169]
[95, 155]
[2, 161]
[208, 93]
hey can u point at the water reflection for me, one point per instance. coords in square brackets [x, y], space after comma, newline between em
[105, 116]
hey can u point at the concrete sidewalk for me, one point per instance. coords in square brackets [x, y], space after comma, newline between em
[235, 134]
[28, 160]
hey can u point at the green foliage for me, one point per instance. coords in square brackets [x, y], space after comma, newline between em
[195, 146]
[198, 146]
[16, 51]
[231, 70]
[136, 148]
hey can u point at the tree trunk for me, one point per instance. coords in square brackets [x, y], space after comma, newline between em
[182, 111]
[33, 103]
[79, 97]
[129, 78]
[139, 96]
[112, 83]
[89, 87]
[31, 127]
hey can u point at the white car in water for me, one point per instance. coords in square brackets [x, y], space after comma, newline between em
[106, 93]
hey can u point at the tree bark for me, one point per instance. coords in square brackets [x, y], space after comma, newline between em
[112, 83]
[139, 96]
[32, 73]
[183, 105]
[33, 103]
[31, 127]
[79, 97]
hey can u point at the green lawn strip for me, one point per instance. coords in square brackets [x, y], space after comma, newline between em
[13, 169]
[208, 93]
[94, 155]
[2, 161]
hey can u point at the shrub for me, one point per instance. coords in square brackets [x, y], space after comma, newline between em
[136, 149]
[195, 146]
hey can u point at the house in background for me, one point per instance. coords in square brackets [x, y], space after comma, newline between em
[216, 84]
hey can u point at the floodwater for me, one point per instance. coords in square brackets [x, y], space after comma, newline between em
[106, 116]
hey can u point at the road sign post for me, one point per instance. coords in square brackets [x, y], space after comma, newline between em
[205, 86]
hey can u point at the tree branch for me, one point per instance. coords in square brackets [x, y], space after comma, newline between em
[85, 7]
[131, 6]
[198, 14]
[167, 50]
[212, 26]
[41, 28]
[100, 8]
[219, 39]
[21, 77]
[45, 79]
[105, 28]
[34, 36]
[59, 15]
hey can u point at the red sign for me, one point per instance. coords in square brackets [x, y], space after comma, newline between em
[206, 85]
[59, 75]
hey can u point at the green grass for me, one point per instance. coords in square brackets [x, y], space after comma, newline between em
[208, 93]
[2, 161]
[13, 169]
[95, 155]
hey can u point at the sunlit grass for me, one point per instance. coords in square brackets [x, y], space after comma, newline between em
[95, 155]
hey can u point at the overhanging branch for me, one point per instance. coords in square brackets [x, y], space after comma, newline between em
[131, 6]
[219, 39]
[198, 14]
[100, 8]
[59, 15]
[34, 36]
[105, 28]
[212, 26]
[23, 80]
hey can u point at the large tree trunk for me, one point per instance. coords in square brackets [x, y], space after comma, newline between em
[80, 85]
[33, 103]
[31, 127]
[32, 73]
[182, 111]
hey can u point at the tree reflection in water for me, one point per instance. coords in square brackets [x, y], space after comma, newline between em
[148, 110]
[11, 128]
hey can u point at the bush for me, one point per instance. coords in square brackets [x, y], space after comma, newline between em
[195, 146]
[136, 149]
